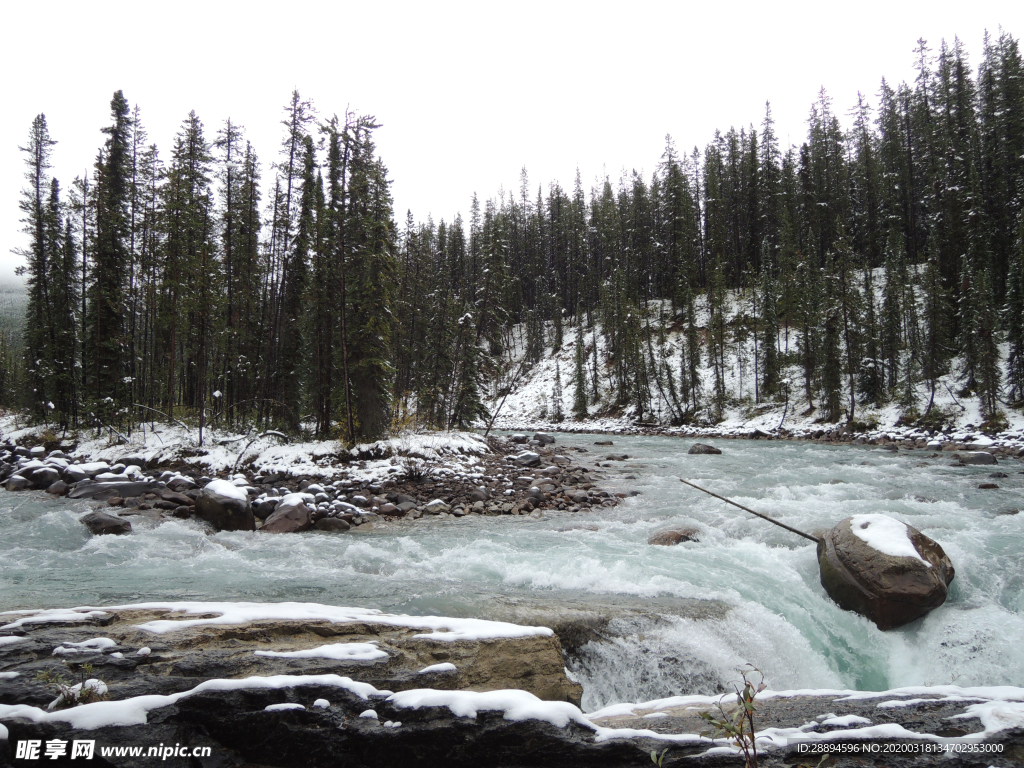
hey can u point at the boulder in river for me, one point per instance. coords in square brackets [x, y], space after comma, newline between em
[18, 483]
[703, 449]
[290, 516]
[543, 438]
[977, 457]
[671, 537]
[225, 506]
[100, 523]
[332, 525]
[58, 488]
[883, 569]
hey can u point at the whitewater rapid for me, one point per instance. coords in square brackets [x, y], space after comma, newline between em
[777, 615]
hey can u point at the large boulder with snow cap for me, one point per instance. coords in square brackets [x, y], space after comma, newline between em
[883, 569]
[225, 506]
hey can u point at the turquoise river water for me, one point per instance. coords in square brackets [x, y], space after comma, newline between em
[779, 618]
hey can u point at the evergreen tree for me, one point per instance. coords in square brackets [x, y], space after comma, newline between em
[370, 268]
[467, 403]
[105, 348]
[556, 396]
[771, 364]
[986, 328]
[189, 283]
[1015, 318]
[579, 400]
[935, 352]
[291, 357]
[38, 225]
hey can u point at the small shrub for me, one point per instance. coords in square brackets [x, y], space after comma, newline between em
[738, 725]
[70, 693]
[995, 424]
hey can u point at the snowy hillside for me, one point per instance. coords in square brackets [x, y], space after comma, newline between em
[534, 404]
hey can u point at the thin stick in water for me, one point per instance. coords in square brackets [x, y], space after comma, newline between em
[748, 509]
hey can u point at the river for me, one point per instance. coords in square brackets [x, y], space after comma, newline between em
[776, 615]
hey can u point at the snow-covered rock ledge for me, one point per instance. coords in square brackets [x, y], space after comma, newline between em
[283, 684]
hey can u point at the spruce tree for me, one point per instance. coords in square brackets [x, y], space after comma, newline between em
[105, 350]
[986, 328]
[935, 352]
[579, 399]
[1015, 318]
[291, 358]
[771, 364]
[41, 251]
[371, 268]
[557, 414]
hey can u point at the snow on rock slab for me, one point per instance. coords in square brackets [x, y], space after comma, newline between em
[514, 704]
[93, 645]
[195, 640]
[337, 651]
[225, 506]
[883, 569]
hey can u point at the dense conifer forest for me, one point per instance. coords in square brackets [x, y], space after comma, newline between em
[205, 284]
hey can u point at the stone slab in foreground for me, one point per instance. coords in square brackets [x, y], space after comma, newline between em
[290, 684]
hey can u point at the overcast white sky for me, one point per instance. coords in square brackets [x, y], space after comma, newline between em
[468, 93]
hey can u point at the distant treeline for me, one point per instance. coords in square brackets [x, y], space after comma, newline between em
[894, 249]
[917, 205]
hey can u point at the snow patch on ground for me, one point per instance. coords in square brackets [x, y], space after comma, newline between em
[444, 667]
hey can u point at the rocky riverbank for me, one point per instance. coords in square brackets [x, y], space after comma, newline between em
[521, 475]
[302, 684]
[969, 438]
